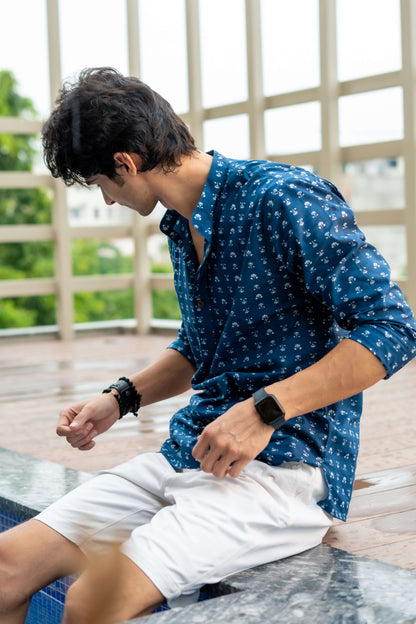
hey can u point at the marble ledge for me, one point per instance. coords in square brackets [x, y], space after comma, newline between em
[28, 485]
[321, 586]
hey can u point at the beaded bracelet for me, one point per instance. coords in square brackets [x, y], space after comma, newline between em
[127, 397]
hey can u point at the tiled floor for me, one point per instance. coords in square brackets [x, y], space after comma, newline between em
[38, 378]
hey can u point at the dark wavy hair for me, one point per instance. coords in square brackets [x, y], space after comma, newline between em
[104, 112]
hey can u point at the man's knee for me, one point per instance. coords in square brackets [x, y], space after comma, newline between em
[111, 589]
[75, 607]
[12, 591]
[85, 603]
[31, 556]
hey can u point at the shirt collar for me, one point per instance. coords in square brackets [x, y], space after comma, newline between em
[202, 217]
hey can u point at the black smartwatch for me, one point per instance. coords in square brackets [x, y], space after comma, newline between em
[269, 408]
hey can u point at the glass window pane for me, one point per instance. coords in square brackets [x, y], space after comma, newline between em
[165, 305]
[86, 206]
[21, 152]
[23, 49]
[103, 305]
[290, 45]
[17, 152]
[312, 168]
[26, 260]
[371, 117]
[368, 36]
[293, 129]
[27, 311]
[391, 242]
[93, 34]
[228, 135]
[39, 167]
[163, 57]
[158, 251]
[223, 52]
[92, 256]
[26, 206]
[374, 184]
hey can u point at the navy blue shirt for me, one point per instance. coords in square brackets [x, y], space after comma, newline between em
[286, 274]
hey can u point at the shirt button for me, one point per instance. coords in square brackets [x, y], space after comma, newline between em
[200, 303]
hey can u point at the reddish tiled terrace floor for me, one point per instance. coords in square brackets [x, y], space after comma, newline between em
[38, 378]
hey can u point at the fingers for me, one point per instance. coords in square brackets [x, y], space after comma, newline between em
[218, 456]
[80, 423]
[79, 436]
[201, 448]
[232, 440]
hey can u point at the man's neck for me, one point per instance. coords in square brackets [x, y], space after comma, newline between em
[181, 189]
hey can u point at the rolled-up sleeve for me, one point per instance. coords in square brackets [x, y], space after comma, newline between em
[318, 239]
[181, 344]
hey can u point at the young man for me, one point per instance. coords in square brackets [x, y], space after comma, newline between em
[287, 315]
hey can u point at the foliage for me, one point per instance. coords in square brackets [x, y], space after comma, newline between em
[97, 257]
[27, 311]
[14, 315]
[16, 152]
[165, 305]
[107, 305]
[23, 206]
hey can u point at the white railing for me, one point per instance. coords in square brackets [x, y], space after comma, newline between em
[328, 159]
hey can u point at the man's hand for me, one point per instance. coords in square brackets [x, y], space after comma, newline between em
[232, 440]
[80, 423]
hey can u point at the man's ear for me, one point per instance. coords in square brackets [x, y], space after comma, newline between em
[129, 160]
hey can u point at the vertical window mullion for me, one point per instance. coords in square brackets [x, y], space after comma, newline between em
[256, 100]
[62, 247]
[408, 26]
[330, 160]
[193, 47]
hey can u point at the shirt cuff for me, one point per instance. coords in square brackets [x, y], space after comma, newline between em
[393, 346]
[183, 347]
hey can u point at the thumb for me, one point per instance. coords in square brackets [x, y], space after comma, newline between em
[81, 419]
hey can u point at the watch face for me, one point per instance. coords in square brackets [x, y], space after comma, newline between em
[269, 409]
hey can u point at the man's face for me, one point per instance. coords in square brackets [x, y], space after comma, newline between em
[132, 192]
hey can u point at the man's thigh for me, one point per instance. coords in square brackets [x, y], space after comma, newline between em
[103, 511]
[216, 527]
[33, 555]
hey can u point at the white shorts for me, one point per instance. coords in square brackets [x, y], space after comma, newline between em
[186, 529]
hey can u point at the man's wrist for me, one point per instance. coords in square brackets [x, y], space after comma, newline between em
[126, 395]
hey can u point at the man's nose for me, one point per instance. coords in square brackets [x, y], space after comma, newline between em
[107, 199]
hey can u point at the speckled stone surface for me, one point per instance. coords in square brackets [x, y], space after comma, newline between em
[28, 485]
[321, 586]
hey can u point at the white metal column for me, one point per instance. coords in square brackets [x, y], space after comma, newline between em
[330, 158]
[256, 101]
[408, 17]
[63, 262]
[141, 278]
[196, 113]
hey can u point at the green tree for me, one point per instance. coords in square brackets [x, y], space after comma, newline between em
[23, 206]
[164, 302]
